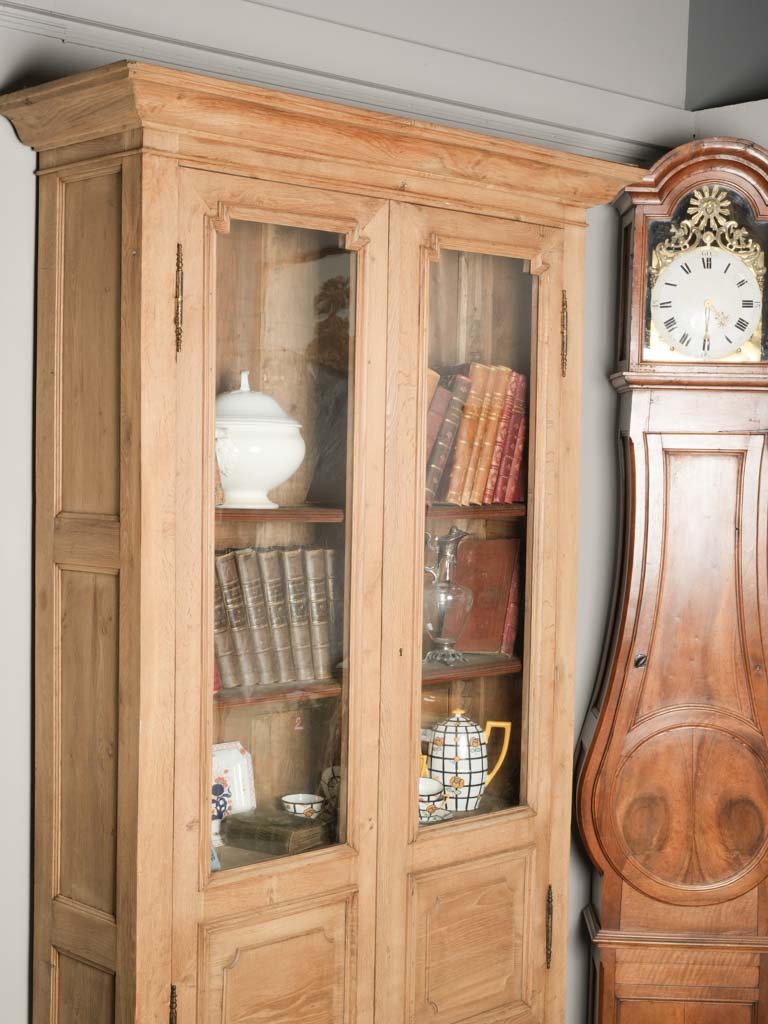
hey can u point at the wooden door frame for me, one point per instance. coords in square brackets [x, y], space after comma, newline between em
[416, 233]
[202, 902]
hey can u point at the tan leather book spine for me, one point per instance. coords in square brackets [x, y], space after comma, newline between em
[319, 626]
[335, 608]
[298, 611]
[501, 438]
[223, 645]
[516, 419]
[477, 440]
[446, 437]
[277, 612]
[478, 376]
[229, 580]
[256, 610]
[498, 390]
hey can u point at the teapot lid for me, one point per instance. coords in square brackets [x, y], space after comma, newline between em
[242, 404]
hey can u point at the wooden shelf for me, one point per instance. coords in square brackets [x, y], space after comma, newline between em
[288, 514]
[516, 511]
[474, 667]
[279, 693]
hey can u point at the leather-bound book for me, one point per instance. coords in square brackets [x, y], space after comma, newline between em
[229, 580]
[277, 612]
[297, 602]
[512, 616]
[501, 437]
[436, 414]
[478, 376]
[335, 610]
[497, 388]
[447, 435]
[515, 421]
[319, 625]
[516, 482]
[223, 645]
[433, 379]
[256, 610]
[485, 567]
[276, 832]
[477, 441]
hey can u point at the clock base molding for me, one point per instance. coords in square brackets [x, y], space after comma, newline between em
[672, 978]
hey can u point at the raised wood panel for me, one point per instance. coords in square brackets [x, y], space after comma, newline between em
[651, 1013]
[280, 969]
[90, 343]
[85, 993]
[668, 1012]
[86, 706]
[683, 795]
[471, 932]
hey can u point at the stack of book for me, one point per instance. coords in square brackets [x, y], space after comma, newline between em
[277, 616]
[476, 435]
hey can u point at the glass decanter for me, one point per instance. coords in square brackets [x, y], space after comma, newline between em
[446, 603]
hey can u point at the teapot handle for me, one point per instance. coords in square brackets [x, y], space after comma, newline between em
[507, 727]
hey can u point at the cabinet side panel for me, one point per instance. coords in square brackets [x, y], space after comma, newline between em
[86, 993]
[87, 713]
[90, 368]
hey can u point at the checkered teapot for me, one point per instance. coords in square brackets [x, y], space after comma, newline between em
[458, 757]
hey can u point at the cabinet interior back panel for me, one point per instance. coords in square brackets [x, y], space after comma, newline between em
[87, 713]
[90, 339]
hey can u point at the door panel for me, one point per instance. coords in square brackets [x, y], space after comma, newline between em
[283, 969]
[467, 697]
[281, 579]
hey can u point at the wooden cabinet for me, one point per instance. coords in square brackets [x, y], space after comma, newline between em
[256, 798]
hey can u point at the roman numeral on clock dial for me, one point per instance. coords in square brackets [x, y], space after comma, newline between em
[742, 324]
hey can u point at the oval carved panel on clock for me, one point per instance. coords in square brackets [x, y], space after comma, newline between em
[672, 795]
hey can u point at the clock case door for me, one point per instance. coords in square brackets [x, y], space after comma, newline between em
[285, 935]
[462, 913]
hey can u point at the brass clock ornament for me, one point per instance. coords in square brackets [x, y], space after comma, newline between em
[672, 793]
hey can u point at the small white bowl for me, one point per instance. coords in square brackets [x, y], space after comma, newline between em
[432, 798]
[304, 805]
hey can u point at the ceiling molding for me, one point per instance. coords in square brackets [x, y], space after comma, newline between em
[502, 100]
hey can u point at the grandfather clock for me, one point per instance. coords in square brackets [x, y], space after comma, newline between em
[672, 795]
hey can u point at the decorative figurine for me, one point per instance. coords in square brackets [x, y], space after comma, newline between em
[446, 604]
[258, 446]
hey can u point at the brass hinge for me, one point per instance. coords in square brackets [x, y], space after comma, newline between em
[172, 1010]
[550, 911]
[564, 334]
[178, 316]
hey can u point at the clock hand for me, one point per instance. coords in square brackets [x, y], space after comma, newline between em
[707, 314]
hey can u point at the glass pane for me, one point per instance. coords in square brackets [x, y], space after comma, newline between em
[473, 738]
[284, 354]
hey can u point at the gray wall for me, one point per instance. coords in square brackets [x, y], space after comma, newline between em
[726, 52]
[572, 76]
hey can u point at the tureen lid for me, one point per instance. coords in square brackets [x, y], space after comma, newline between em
[251, 406]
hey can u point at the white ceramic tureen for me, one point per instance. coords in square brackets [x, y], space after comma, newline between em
[258, 446]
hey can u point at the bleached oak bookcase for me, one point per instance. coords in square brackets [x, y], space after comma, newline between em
[190, 229]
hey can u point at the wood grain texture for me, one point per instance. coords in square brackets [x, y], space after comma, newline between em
[90, 343]
[85, 993]
[673, 789]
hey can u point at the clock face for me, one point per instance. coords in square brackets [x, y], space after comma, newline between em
[706, 303]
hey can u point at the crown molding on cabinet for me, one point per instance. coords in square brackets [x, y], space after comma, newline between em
[469, 92]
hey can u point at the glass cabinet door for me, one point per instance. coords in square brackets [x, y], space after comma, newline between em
[482, 316]
[469, 637]
[285, 352]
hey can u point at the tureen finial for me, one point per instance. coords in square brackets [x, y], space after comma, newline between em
[244, 383]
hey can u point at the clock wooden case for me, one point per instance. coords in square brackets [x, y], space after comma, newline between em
[189, 230]
[672, 795]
